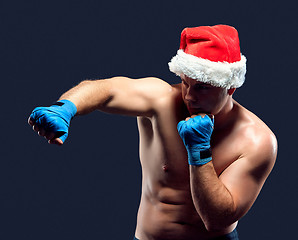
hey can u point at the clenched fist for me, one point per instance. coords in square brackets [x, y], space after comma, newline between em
[53, 122]
[196, 134]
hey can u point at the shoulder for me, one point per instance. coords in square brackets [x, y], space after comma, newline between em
[151, 87]
[157, 91]
[157, 87]
[148, 88]
[160, 95]
[259, 142]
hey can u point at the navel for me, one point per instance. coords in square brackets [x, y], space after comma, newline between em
[165, 168]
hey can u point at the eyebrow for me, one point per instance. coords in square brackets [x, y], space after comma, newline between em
[202, 84]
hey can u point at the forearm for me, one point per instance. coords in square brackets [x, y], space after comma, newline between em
[212, 200]
[89, 95]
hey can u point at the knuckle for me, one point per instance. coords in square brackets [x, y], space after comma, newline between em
[35, 128]
[41, 132]
[49, 135]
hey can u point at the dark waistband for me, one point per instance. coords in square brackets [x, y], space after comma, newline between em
[230, 236]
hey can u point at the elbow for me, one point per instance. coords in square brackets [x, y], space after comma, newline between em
[85, 82]
[220, 222]
[216, 227]
[212, 227]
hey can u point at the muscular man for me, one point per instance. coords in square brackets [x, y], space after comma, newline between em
[204, 156]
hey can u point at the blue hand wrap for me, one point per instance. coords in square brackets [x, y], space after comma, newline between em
[55, 118]
[196, 135]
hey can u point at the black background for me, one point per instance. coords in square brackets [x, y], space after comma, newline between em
[90, 187]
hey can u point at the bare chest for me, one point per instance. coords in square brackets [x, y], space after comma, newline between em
[164, 157]
[162, 152]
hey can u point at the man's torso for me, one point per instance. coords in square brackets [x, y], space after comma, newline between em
[166, 210]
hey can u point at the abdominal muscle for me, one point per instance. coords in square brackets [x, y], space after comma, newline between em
[169, 214]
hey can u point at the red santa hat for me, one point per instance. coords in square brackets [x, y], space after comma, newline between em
[210, 55]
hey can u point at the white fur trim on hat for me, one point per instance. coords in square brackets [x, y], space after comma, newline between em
[218, 74]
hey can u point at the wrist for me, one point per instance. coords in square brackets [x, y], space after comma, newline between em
[199, 157]
[68, 106]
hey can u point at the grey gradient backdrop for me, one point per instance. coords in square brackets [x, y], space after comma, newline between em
[90, 187]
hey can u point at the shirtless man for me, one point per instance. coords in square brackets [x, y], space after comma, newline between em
[195, 185]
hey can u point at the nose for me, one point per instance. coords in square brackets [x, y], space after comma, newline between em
[190, 96]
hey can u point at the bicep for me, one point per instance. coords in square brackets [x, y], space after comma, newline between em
[245, 178]
[135, 97]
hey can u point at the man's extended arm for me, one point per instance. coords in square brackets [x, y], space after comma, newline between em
[119, 95]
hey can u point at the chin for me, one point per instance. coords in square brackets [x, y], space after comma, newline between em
[201, 111]
[194, 111]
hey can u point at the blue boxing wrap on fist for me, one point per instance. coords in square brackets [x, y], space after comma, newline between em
[196, 134]
[55, 118]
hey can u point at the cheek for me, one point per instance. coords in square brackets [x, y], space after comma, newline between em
[213, 101]
[183, 93]
[218, 102]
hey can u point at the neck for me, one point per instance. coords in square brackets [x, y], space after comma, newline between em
[225, 116]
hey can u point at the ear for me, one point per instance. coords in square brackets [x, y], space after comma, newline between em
[231, 91]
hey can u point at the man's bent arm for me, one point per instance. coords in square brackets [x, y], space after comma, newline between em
[221, 201]
[213, 201]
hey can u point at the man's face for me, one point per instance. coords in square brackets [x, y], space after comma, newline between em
[201, 97]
